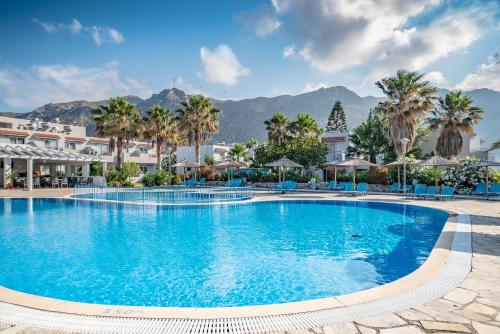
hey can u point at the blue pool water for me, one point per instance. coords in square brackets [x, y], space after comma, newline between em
[206, 256]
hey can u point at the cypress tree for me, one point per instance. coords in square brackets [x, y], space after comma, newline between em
[336, 120]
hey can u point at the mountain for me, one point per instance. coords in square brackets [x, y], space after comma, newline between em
[244, 119]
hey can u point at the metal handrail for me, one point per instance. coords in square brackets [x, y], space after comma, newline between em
[164, 194]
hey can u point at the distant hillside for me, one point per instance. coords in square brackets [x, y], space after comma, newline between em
[244, 119]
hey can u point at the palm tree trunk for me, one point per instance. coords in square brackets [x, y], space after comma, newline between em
[119, 152]
[158, 156]
[197, 146]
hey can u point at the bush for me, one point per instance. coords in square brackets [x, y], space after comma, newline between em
[378, 175]
[428, 175]
[161, 178]
[132, 169]
[464, 177]
[148, 180]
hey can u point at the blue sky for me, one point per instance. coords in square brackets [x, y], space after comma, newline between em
[58, 51]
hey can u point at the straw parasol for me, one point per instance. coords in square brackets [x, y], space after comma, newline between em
[229, 164]
[486, 164]
[186, 164]
[437, 161]
[333, 164]
[286, 163]
[355, 163]
[399, 163]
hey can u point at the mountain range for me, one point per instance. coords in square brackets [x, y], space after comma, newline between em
[244, 119]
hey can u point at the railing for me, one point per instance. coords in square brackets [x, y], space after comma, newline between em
[164, 195]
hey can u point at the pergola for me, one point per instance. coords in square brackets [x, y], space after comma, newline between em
[31, 153]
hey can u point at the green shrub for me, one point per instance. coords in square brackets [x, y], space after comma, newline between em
[161, 178]
[148, 180]
[428, 175]
[464, 177]
[132, 169]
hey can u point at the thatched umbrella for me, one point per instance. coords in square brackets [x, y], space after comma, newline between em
[486, 164]
[286, 163]
[399, 163]
[355, 163]
[333, 164]
[437, 161]
[186, 164]
[229, 164]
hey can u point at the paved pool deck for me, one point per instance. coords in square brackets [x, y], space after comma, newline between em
[472, 307]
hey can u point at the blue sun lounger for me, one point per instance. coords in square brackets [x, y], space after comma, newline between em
[394, 187]
[494, 190]
[190, 182]
[349, 189]
[201, 181]
[446, 193]
[431, 192]
[361, 189]
[420, 190]
[480, 189]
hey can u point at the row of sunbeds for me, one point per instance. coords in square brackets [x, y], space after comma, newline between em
[423, 191]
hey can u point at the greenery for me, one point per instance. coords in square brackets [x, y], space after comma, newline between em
[370, 138]
[305, 127]
[132, 169]
[408, 98]
[117, 177]
[454, 114]
[238, 153]
[160, 178]
[337, 120]
[96, 168]
[198, 119]
[464, 177]
[119, 121]
[160, 126]
[278, 129]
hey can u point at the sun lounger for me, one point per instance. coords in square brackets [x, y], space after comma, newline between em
[480, 189]
[190, 182]
[361, 189]
[201, 181]
[349, 189]
[446, 193]
[394, 187]
[419, 191]
[431, 192]
[494, 190]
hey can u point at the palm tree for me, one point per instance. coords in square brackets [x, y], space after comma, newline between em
[251, 143]
[238, 153]
[370, 138]
[495, 146]
[161, 128]
[278, 128]
[305, 126]
[454, 115]
[198, 118]
[408, 98]
[119, 121]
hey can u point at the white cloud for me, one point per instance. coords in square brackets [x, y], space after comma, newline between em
[289, 51]
[98, 34]
[436, 78]
[47, 26]
[262, 21]
[333, 35]
[58, 83]
[221, 65]
[486, 76]
[310, 87]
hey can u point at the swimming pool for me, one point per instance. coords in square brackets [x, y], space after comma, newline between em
[206, 256]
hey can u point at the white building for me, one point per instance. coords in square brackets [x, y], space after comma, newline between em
[337, 143]
[472, 145]
[45, 149]
[219, 152]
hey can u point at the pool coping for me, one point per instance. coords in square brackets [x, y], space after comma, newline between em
[434, 266]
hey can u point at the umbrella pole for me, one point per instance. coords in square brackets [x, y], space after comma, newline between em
[354, 175]
[399, 178]
[436, 175]
[335, 174]
[487, 181]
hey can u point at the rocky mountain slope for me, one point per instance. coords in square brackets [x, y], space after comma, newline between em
[244, 119]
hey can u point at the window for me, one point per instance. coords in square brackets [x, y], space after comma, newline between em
[60, 170]
[103, 148]
[44, 170]
[16, 140]
[143, 150]
[51, 143]
[144, 169]
[70, 146]
[5, 125]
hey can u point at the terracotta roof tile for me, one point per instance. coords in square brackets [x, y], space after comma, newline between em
[10, 132]
[75, 139]
[44, 135]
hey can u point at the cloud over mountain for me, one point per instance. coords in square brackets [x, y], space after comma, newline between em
[221, 65]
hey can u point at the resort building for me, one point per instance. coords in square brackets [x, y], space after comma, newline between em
[473, 145]
[44, 153]
[337, 143]
[219, 152]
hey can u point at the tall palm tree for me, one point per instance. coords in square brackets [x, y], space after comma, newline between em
[454, 115]
[198, 119]
[161, 128]
[495, 146]
[278, 128]
[305, 126]
[119, 121]
[238, 153]
[408, 98]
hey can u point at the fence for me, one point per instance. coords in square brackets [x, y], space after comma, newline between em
[164, 195]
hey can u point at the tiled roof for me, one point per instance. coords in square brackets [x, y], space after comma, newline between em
[75, 139]
[144, 145]
[9, 132]
[44, 135]
[99, 141]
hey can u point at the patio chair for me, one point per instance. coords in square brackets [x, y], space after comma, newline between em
[64, 182]
[54, 182]
[349, 189]
[431, 192]
[361, 189]
[36, 182]
[446, 193]
[480, 189]
[420, 190]
[394, 187]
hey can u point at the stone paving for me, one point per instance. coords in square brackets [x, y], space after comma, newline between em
[473, 307]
